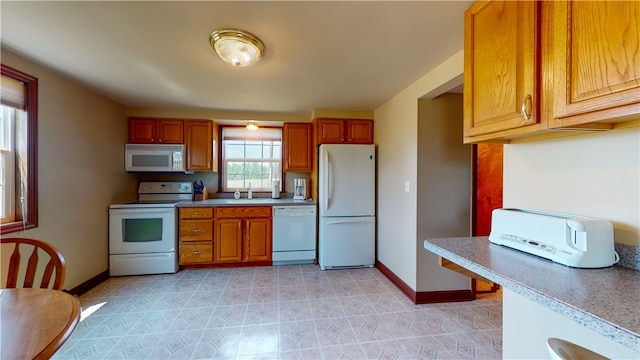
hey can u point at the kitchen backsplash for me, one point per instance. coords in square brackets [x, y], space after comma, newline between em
[629, 255]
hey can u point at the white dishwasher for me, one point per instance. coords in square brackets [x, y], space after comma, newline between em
[294, 235]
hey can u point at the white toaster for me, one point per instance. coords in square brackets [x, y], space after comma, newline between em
[570, 240]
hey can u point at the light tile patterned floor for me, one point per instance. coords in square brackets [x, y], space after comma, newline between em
[280, 312]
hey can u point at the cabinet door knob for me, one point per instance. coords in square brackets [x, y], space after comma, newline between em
[525, 110]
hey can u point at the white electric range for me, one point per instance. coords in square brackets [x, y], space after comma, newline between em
[143, 234]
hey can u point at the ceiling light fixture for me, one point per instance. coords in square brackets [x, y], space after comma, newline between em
[252, 125]
[236, 47]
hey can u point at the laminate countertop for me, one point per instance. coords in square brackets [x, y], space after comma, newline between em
[246, 202]
[603, 300]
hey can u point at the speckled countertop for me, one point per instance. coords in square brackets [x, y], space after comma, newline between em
[606, 301]
[246, 202]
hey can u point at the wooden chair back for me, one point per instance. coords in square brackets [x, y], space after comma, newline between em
[54, 269]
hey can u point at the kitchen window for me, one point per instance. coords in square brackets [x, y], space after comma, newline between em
[251, 157]
[18, 150]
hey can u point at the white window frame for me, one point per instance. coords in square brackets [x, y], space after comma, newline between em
[241, 136]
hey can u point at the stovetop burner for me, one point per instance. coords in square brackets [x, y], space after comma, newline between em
[145, 204]
[159, 195]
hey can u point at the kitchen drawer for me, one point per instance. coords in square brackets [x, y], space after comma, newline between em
[196, 213]
[193, 230]
[243, 211]
[196, 252]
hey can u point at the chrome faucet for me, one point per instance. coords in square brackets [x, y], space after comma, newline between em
[250, 192]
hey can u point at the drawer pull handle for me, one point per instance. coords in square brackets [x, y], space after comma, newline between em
[197, 213]
[197, 230]
[196, 252]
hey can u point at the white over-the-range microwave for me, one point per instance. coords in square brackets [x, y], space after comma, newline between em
[154, 158]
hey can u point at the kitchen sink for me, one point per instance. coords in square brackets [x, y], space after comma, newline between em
[245, 201]
[252, 201]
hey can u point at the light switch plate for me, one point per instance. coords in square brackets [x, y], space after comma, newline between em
[407, 186]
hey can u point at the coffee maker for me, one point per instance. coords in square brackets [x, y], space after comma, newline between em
[301, 189]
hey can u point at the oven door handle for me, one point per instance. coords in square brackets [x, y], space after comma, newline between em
[141, 211]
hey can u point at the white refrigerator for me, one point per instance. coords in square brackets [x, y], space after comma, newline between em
[346, 199]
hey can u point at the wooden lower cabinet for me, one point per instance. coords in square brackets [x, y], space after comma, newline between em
[227, 236]
[257, 246]
[196, 252]
[195, 235]
[229, 244]
[243, 234]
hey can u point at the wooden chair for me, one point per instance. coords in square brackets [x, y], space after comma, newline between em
[54, 263]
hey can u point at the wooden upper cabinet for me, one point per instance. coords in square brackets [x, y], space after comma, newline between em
[596, 61]
[155, 131]
[500, 77]
[359, 131]
[199, 138]
[142, 131]
[344, 131]
[169, 131]
[298, 146]
[330, 131]
[568, 64]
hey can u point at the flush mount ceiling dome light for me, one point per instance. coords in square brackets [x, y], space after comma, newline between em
[252, 125]
[236, 47]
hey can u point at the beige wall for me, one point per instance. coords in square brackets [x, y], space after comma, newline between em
[443, 188]
[591, 174]
[210, 180]
[595, 175]
[80, 169]
[81, 172]
[396, 136]
[221, 116]
[346, 114]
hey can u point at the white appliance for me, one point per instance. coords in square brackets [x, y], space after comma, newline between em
[294, 235]
[570, 240]
[275, 189]
[143, 235]
[154, 158]
[301, 189]
[346, 198]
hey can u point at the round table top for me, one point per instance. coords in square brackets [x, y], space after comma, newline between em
[35, 322]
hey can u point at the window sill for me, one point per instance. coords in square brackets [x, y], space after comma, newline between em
[16, 226]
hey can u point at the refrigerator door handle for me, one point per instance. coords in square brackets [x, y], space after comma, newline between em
[326, 178]
[348, 221]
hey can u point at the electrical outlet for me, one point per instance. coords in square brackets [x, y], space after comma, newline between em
[407, 186]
